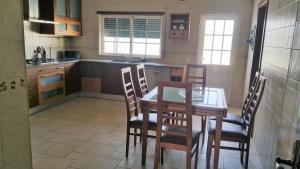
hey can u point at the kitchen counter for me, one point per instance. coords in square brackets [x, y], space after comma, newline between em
[50, 63]
[149, 64]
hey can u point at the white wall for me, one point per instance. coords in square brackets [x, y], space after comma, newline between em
[177, 51]
[15, 149]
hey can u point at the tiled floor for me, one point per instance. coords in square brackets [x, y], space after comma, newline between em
[90, 134]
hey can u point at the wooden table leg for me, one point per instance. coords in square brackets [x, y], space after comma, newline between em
[217, 141]
[145, 134]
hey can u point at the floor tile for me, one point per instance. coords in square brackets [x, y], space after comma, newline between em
[90, 134]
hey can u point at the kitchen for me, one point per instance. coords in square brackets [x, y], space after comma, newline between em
[72, 53]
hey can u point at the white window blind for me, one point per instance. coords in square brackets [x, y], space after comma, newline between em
[132, 35]
[117, 35]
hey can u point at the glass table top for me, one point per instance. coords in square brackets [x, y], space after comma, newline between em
[207, 97]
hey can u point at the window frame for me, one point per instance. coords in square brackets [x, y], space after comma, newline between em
[131, 17]
[235, 38]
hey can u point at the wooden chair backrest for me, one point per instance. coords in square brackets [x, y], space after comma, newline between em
[195, 74]
[249, 115]
[142, 79]
[184, 109]
[129, 92]
[250, 92]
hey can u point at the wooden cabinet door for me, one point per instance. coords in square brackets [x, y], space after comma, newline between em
[61, 9]
[32, 87]
[72, 78]
[75, 9]
[74, 28]
[90, 69]
[61, 28]
[111, 81]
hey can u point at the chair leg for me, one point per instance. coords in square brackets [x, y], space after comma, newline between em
[196, 156]
[135, 132]
[188, 160]
[156, 156]
[242, 145]
[162, 156]
[252, 129]
[203, 128]
[141, 135]
[247, 155]
[209, 149]
[127, 141]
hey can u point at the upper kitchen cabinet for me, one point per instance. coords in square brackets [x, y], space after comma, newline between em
[75, 9]
[66, 15]
[68, 9]
[61, 8]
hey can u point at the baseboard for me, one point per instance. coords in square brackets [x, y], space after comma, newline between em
[101, 96]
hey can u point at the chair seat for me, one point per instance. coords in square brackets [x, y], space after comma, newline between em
[229, 130]
[137, 121]
[231, 118]
[180, 140]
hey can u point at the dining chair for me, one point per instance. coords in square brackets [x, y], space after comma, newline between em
[179, 136]
[196, 74]
[238, 119]
[238, 133]
[134, 117]
[141, 74]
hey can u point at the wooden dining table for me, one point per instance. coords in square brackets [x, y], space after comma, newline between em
[206, 102]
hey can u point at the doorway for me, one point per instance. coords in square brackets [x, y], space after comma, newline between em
[259, 39]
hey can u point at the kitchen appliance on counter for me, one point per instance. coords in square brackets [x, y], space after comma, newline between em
[71, 55]
[39, 56]
[37, 61]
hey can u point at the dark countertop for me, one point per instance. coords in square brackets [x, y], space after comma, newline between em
[50, 63]
[147, 64]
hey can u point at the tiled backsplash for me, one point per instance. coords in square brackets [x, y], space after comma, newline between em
[276, 119]
[33, 39]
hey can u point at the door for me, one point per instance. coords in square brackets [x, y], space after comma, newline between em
[259, 40]
[217, 48]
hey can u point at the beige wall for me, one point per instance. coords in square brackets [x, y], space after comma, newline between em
[176, 51]
[15, 151]
[33, 39]
[276, 119]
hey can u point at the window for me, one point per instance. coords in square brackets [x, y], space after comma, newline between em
[217, 41]
[138, 36]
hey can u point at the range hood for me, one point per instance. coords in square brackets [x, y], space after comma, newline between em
[32, 12]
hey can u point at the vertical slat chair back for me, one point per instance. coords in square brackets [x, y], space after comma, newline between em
[184, 121]
[195, 74]
[129, 92]
[249, 115]
[142, 79]
[250, 92]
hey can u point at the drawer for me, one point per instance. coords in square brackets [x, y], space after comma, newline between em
[44, 69]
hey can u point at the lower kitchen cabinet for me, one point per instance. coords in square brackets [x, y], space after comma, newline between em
[49, 74]
[156, 74]
[72, 78]
[32, 87]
